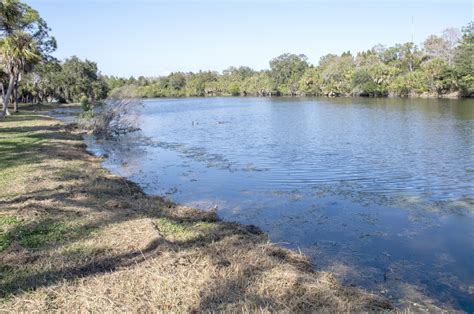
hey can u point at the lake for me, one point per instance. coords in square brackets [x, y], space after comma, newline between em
[378, 191]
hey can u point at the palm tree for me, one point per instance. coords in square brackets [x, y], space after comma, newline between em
[18, 52]
[24, 40]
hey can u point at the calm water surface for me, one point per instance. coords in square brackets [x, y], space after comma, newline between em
[378, 191]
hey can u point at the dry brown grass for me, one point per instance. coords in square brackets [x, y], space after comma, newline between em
[78, 238]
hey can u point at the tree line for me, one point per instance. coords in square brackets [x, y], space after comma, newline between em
[442, 66]
[29, 72]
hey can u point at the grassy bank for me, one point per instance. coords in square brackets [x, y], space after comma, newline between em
[75, 237]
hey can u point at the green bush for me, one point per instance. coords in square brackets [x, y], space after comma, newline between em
[85, 103]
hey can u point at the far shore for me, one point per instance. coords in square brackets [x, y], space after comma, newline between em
[455, 96]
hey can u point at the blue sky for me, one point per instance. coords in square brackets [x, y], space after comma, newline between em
[153, 38]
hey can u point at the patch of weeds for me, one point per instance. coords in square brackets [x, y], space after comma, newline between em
[6, 223]
[8, 220]
[183, 230]
[40, 234]
[47, 231]
[170, 227]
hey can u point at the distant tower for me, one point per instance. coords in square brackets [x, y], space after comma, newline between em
[412, 28]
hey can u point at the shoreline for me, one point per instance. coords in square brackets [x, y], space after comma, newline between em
[453, 96]
[74, 236]
[323, 96]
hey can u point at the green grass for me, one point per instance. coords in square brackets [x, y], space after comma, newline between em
[45, 232]
[15, 149]
[19, 142]
[6, 223]
[37, 235]
[21, 137]
[183, 230]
